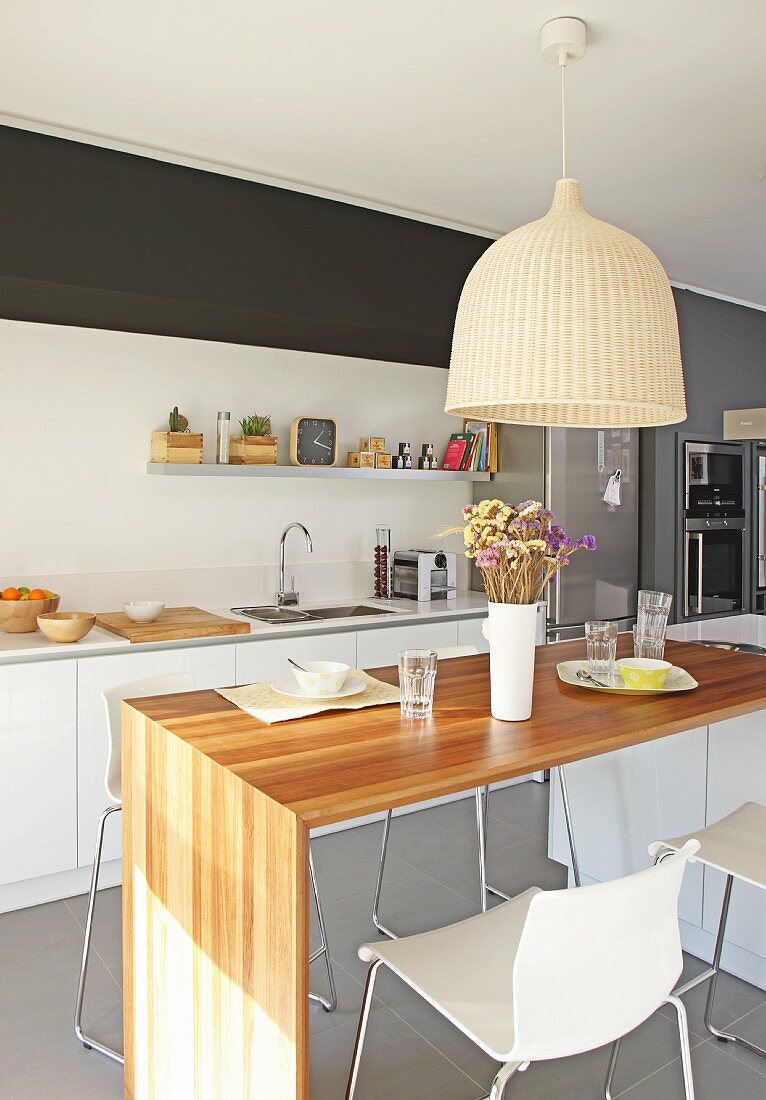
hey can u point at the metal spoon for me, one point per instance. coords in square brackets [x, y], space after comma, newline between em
[296, 665]
[587, 678]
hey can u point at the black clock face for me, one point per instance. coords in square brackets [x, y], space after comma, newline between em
[316, 442]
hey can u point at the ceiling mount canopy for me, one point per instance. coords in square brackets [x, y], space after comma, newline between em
[567, 321]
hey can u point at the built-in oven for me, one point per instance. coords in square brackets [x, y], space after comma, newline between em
[715, 548]
[713, 565]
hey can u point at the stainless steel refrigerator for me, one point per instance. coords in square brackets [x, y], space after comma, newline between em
[568, 469]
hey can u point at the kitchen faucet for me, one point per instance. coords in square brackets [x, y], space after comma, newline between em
[289, 598]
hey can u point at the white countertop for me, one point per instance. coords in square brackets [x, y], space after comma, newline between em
[729, 628]
[33, 647]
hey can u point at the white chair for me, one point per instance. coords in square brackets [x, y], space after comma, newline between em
[735, 845]
[445, 653]
[549, 974]
[140, 689]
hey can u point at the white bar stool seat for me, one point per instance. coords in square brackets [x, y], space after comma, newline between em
[548, 974]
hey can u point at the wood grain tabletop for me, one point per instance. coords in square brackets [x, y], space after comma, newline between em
[342, 764]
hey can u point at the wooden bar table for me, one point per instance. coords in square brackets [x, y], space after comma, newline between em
[217, 812]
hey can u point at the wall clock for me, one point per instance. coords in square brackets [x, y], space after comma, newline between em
[313, 441]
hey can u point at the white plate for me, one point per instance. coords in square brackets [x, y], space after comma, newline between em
[353, 686]
[678, 680]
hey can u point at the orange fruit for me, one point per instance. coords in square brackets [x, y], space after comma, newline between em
[36, 594]
[11, 594]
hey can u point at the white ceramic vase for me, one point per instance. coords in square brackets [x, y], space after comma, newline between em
[510, 631]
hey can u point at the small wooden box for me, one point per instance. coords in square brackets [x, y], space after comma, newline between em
[353, 460]
[176, 447]
[364, 443]
[253, 450]
[382, 461]
[367, 460]
[377, 444]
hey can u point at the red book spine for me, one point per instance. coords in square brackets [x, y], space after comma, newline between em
[454, 454]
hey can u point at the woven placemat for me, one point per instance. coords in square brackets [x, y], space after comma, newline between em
[269, 706]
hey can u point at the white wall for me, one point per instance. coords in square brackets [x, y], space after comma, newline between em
[79, 512]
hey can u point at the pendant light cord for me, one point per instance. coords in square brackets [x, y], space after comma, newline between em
[562, 68]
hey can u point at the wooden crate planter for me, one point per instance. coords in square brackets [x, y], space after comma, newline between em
[253, 450]
[176, 447]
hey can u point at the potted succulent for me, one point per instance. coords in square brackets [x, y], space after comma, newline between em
[256, 446]
[518, 550]
[178, 444]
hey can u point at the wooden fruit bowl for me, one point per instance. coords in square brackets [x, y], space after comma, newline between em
[20, 616]
[66, 626]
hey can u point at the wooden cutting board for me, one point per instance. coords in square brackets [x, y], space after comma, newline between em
[173, 624]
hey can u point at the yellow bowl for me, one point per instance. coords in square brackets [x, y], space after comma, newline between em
[642, 672]
[66, 626]
[20, 616]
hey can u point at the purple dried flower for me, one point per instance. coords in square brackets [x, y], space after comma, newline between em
[558, 530]
[586, 542]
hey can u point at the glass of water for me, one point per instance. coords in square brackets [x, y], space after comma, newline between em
[601, 641]
[417, 674]
[653, 648]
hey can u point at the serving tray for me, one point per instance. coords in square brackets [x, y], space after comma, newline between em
[678, 680]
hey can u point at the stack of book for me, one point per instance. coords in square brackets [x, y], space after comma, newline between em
[475, 448]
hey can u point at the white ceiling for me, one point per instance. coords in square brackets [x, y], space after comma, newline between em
[437, 106]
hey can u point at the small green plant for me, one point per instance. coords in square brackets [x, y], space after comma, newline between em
[256, 425]
[177, 421]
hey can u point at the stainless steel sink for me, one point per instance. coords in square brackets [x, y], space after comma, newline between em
[273, 614]
[349, 611]
[734, 647]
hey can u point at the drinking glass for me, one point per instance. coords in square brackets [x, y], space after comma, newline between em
[653, 611]
[653, 648]
[601, 640]
[417, 673]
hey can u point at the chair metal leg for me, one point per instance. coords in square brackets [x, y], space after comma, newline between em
[482, 823]
[569, 825]
[723, 1036]
[611, 1068]
[323, 950]
[361, 1032]
[87, 1042]
[502, 1077]
[379, 881]
[686, 1054]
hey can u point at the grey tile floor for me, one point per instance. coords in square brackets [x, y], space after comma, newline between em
[411, 1051]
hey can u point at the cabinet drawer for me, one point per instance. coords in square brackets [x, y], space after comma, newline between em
[267, 660]
[469, 633]
[38, 769]
[375, 648]
[211, 666]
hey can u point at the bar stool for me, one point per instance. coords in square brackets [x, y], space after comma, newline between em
[735, 845]
[140, 689]
[551, 973]
[445, 653]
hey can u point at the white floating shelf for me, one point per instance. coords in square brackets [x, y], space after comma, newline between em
[212, 469]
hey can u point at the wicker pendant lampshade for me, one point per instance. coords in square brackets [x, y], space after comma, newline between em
[567, 321]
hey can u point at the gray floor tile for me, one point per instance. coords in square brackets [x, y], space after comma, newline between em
[349, 992]
[753, 1028]
[107, 923]
[512, 868]
[347, 863]
[716, 1077]
[733, 998]
[413, 905]
[397, 1063]
[524, 805]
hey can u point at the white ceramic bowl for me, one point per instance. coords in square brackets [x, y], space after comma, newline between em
[643, 672]
[143, 611]
[321, 677]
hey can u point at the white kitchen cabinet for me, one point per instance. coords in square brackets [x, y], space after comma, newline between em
[375, 648]
[258, 661]
[624, 800]
[38, 769]
[211, 666]
[469, 633]
[736, 774]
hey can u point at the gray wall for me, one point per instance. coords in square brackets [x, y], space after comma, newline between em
[723, 348]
